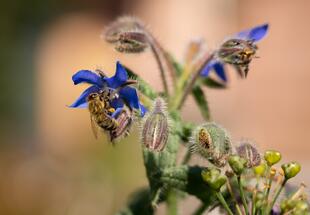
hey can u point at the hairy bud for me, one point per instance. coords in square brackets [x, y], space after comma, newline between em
[155, 128]
[212, 142]
[128, 35]
[247, 151]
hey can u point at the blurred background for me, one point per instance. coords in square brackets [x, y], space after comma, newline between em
[50, 162]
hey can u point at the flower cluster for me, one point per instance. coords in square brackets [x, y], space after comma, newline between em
[239, 179]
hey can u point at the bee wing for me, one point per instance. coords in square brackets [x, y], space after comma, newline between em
[94, 126]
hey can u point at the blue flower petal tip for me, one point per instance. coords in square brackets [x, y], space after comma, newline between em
[255, 34]
[87, 76]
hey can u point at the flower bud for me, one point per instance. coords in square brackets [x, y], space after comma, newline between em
[128, 34]
[247, 151]
[214, 178]
[291, 169]
[259, 199]
[260, 170]
[237, 164]
[212, 142]
[272, 157]
[131, 42]
[155, 128]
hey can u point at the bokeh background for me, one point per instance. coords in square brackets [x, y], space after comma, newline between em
[50, 162]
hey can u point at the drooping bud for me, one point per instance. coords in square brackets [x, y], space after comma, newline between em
[237, 164]
[128, 35]
[155, 128]
[272, 157]
[239, 53]
[291, 169]
[212, 142]
[247, 151]
[214, 178]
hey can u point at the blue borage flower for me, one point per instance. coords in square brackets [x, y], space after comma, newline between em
[254, 35]
[127, 95]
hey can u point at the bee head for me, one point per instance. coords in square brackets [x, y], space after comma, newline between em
[93, 96]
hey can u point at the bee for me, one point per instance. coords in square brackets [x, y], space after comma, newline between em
[239, 53]
[99, 106]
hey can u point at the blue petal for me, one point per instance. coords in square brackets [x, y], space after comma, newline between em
[220, 71]
[119, 78]
[88, 77]
[117, 103]
[82, 100]
[143, 110]
[130, 96]
[255, 34]
[217, 66]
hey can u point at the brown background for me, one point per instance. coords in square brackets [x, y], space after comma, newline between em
[71, 173]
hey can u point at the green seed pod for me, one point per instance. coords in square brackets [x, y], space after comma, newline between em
[214, 178]
[272, 157]
[212, 142]
[155, 128]
[291, 169]
[237, 164]
[247, 151]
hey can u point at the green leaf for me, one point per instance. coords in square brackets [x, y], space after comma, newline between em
[201, 101]
[143, 86]
[211, 83]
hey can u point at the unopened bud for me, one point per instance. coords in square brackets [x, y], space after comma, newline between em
[272, 157]
[214, 178]
[131, 42]
[155, 128]
[237, 164]
[247, 151]
[212, 142]
[128, 35]
[291, 169]
[260, 170]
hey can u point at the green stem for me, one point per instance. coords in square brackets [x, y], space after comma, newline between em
[172, 203]
[187, 157]
[233, 197]
[276, 197]
[223, 202]
[254, 198]
[201, 209]
[192, 81]
[244, 202]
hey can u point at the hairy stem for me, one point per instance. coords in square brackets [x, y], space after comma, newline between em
[187, 157]
[161, 68]
[188, 81]
[172, 203]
